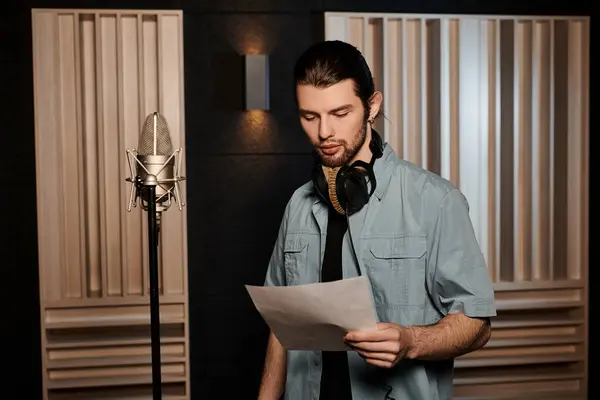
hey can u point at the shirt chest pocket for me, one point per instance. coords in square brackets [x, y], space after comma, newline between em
[295, 252]
[396, 267]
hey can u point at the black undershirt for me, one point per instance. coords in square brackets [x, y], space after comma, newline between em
[335, 378]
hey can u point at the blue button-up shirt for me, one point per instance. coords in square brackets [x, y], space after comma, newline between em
[415, 242]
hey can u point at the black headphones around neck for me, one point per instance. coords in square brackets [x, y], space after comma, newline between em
[346, 188]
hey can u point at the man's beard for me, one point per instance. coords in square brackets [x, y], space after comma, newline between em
[350, 150]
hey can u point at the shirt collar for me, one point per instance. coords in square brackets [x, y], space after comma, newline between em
[383, 171]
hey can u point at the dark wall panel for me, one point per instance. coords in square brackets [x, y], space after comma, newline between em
[214, 69]
[232, 244]
[251, 6]
[242, 168]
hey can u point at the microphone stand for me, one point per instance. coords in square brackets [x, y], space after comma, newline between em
[145, 189]
[149, 185]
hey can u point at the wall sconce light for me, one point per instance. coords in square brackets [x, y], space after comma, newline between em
[257, 81]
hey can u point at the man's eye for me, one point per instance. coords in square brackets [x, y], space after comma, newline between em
[308, 117]
[341, 115]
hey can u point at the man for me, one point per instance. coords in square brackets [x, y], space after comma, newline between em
[366, 212]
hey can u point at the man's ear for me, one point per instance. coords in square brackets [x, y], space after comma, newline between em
[375, 104]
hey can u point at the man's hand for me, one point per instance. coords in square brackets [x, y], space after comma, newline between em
[454, 335]
[382, 347]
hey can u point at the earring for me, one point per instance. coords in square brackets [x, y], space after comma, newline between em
[371, 121]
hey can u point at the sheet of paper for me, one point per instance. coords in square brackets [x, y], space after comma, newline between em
[316, 316]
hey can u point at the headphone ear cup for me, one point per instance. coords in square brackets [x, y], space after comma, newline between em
[346, 189]
[352, 189]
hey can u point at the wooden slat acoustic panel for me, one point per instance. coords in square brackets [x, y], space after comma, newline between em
[97, 75]
[499, 106]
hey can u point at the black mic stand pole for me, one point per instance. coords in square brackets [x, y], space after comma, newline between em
[149, 185]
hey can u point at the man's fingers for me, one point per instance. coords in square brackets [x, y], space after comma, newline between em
[386, 357]
[386, 347]
[380, 335]
[381, 364]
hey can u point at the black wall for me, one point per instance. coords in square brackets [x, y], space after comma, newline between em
[240, 172]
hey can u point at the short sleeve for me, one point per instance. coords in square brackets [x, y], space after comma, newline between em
[460, 278]
[275, 275]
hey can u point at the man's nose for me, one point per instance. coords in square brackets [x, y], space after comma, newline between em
[325, 131]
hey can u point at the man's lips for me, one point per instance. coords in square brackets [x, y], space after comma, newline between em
[330, 150]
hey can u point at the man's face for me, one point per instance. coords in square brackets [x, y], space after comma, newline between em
[334, 120]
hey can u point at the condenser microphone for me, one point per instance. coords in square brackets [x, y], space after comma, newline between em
[155, 163]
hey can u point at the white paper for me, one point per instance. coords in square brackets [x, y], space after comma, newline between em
[316, 316]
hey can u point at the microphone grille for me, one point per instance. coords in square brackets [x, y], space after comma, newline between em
[155, 138]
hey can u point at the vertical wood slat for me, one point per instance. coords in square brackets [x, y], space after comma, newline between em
[413, 137]
[78, 58]
[375, 58]
[120, 144]
[70, 152]
[513, 125]
[46, 107]
[522, 151]
[445, 90]
[481, 179]
[560, 155]
[425, 78]
[405, 91]
[150, 103]
[131, 116]
[172, 103]
[576, 124]
[506, 122]
[541, 193]
[454, 101]
[96, 77]
[142, 115]
[110, 153]
[394, 99]
[159, 91]
[90, 149]
[356, 32]
[552, 151]
[60, 168]
[492, 146]
[497, 128]
[385, 60]
[367, 46]
[432, 99]
[99, 43]
[468, 129]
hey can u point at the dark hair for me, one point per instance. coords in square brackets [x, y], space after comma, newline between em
[330, 62]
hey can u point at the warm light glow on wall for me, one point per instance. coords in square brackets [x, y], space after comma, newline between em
[256, 117]
[253, 49]
[259, 131]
